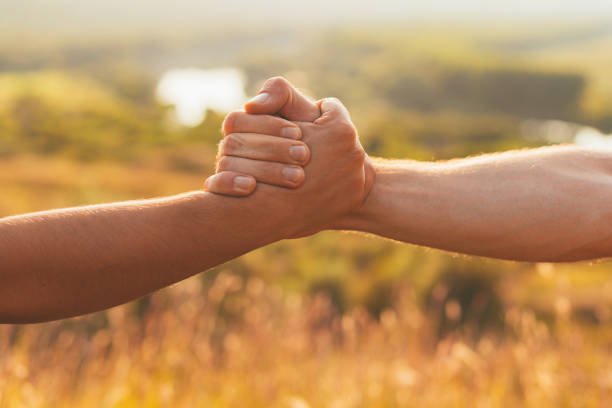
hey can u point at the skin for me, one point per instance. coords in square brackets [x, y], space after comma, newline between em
[63, 263]
[549, 204]
[246, 135]
[542, 205]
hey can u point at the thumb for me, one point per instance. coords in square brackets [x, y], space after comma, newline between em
[278, 96]
[332, 108]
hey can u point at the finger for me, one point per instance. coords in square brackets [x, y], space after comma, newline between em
[331, 109]
[230, 183]
[278, 96]
[242, 122]
[264, 147]
[277, 174]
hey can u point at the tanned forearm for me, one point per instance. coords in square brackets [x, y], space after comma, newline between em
[68, 262]
[548, 204]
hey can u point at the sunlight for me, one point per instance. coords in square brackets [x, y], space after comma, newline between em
[192, 91]
[559, 131]
[593, 138]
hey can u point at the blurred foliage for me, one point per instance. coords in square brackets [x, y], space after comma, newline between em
[283, 325]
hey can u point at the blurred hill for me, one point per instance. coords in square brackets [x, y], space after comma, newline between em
[343, 319]
[429, 93]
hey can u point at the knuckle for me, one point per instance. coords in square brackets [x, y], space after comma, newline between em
[277, 81]
[353, 161]
[215, 183]
[221, 149]
[346, 129]
[210, 184]
[230, 122]
[224, 163]
[232, 143]
[359, 155]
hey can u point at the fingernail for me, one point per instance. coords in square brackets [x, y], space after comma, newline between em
[261, 98]
[292, 174]
[291, 132]
[298, 153]
[242, 183]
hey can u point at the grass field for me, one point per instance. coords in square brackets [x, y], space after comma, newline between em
[335, 320]
[254, 333]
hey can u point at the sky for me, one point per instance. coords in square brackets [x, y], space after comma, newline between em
[151, 13]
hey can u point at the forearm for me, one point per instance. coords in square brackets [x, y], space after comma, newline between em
[549, 204]
[68, 262]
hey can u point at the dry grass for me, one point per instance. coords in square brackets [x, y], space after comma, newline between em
[235, 338]
[32, 183]
[236, 343]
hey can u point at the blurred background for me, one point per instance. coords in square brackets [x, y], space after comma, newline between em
[115, 100]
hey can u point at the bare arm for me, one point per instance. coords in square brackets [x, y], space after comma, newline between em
[547, 204]
[63, 263]
[67, 262]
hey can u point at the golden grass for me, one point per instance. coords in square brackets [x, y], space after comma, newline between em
[33, 183]
[276, 350]
[53, 87]
[235, 337]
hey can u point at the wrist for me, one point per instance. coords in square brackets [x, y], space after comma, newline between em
[259, 214]
[364, 215]
[398, 187]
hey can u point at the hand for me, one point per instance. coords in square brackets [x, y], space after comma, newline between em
[258, 147]
[337, 178]
[277, 96]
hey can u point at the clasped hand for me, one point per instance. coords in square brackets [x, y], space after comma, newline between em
[304, 155]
